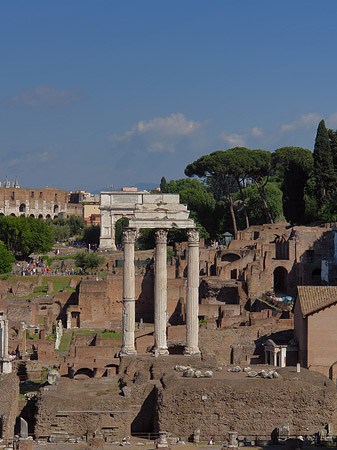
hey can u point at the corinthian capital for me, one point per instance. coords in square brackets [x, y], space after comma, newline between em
[161, 236]
[193, 235]
[129, 235]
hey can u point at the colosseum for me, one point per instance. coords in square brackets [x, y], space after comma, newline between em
[40, 203]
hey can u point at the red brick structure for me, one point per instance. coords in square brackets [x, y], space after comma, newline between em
[315, 318]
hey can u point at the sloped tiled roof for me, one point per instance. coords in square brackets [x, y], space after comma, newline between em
[314, 298]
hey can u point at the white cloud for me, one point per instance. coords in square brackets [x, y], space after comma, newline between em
[28, 160]
[45, 97]
[234, 139]
[240, 139]
[160, 134]
[256, 132]
[306, 120]
[332, 121]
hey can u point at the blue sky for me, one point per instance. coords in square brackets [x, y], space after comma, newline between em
[95, 93]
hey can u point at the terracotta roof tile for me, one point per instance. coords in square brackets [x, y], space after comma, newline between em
[314, 298]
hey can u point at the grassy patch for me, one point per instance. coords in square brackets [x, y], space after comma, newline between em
[106, 334]
[31, 336]
[66, 338]
[86, 332]
[108, 391]
[111, 334]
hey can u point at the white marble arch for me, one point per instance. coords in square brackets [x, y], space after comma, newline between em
[144, 210]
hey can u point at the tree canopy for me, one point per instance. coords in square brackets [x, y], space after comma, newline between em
[88, 261]
[323, 165]
[230, 170]
[293, 166]
[6, 259]
[25, 235]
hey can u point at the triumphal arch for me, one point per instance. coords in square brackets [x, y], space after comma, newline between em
[161, 212]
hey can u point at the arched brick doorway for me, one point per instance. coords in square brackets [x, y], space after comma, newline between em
[280, 280]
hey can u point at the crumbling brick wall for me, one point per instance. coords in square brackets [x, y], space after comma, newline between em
[252, 407]
[9, 393]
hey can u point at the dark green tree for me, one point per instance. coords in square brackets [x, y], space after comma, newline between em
[230, 170]
[293, 166]
[88, 261]
[60, 232]
[258, 170]
[198, 199]
[91, 234]
[120, 224]
[333, 146]
[25, 235]
[255, 205]
[323, 166]
[76, 225]
[215, 168]
[6, 259]
[163, 184]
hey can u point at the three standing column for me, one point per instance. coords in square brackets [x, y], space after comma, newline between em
[128, 347]
[192, 294]
[160, 294]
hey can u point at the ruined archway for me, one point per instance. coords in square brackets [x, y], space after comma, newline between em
[280, 280]
[230, 257]
[84, 371]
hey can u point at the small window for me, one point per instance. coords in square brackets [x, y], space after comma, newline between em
[310, 256]
[13, 195]
[40, 195]
[234, 274]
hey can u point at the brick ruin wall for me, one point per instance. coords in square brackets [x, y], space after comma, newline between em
[252, 407]
[9, 390]
[58, 410]
[240, 345]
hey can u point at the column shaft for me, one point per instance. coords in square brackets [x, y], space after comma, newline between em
[160, 293]
[128, 347]
[192, 294]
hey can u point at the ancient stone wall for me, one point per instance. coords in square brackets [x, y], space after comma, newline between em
[79, 409]
[242, 344]
[38, 203]
[9, 394]
[252, 407]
